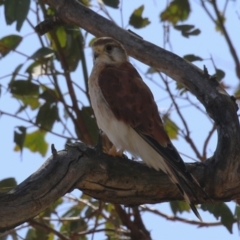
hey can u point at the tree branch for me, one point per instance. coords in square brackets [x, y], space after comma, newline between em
[220, 107]
[120, 180]
[116, 180]
[220, 23]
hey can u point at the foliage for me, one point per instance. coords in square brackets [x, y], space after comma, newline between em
[136, 19]
[51, 99]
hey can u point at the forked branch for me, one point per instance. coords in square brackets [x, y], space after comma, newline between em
[120, 180]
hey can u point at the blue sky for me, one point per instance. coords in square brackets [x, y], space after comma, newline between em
[208, 43]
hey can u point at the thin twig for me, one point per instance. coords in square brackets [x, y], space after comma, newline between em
[4, 234]
[31, 122]
[135, 232]
[101, 230]
[139, 222]
[204, 154]
[179, 219]
[98, 213]
[45, 227]
[220, 23]
[187, 134]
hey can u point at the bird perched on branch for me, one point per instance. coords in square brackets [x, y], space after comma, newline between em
[127, 113]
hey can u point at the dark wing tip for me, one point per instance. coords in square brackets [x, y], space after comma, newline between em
[194, 209]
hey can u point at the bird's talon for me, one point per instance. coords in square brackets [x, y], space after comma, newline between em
[114, 152]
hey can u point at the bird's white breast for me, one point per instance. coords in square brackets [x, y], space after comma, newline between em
[123, 136]
[116, 131]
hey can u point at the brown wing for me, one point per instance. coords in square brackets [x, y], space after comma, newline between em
[132, 102]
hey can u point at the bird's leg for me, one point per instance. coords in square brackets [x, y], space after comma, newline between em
[106, 146]
[114, 152]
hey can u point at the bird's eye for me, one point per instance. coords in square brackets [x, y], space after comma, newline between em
[109, 48]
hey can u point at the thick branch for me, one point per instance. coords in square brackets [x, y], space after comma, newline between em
[225, 162]
[120, 180]
[109, 179]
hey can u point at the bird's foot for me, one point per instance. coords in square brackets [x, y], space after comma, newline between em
[114, 152]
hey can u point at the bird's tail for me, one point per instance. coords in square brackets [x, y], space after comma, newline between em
[185, 186]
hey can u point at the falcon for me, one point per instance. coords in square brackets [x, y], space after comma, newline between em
[126, 112]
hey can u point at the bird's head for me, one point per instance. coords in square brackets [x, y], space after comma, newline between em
[109, 51]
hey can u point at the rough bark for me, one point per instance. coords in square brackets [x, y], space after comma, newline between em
[115, 180]
[121, 180]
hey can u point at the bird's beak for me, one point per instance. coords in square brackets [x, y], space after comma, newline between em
[95, 55]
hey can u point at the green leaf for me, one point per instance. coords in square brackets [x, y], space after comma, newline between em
[237, 215]
[22, 11]
[184, 27]
[16, 11]
[85, 2]
[31, 234]
[43, 52]
[195, 32]
[74, 226]
[19, 136]
[40, 67]
[89, 211]
[177, 10]
[91, 42]
[7, 184]
[151, 70]
[10, 9]
[136, 19]
[31, 101]
[40, 234]
[51, 209]
[73, 48]
[9, 43]
[90, 123]
[74, 211]
[49, 95]
[179, 206]
[15, 72]
[35, 142]
[192, 58]
[110, 224]
[62, 36]
[78, 226]
[237, 212]
[181, 88]
[220, 74]
[42, 64]
[21, 108]
[111, 3]
[187, 30]
[23, 87]
[47, 115]
[171, 128]
[222, 211]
